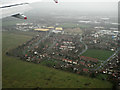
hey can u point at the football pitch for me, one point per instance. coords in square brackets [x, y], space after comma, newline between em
[97, 53]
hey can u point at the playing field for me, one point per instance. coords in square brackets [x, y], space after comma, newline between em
[17, 73]
[99, 54]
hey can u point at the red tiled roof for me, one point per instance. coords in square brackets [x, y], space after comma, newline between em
[66, 59]
[82, 63]
[89, 59]
[84, 69]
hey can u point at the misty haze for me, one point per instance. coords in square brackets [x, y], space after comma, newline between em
[63, 45]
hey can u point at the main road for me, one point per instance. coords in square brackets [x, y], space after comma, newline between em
[107, 60]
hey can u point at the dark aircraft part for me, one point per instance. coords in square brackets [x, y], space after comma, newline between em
[56, 1]
[20, 16]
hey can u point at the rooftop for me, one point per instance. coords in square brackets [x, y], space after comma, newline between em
[41, 29]
[58, 28]
[51, 27]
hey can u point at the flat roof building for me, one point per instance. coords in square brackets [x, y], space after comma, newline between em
[59, 28]
[41, 29]
[51, 27]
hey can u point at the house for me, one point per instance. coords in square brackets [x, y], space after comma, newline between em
[74, 62]
[85, 70]
[89, 59]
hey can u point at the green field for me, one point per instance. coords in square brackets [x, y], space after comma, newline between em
[99, 54]
[72, 25]
[17, 73]
[10, 21]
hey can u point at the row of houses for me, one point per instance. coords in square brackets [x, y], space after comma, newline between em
[70, 61]
[88, 59]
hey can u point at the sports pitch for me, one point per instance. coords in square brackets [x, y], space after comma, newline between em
[99, 54]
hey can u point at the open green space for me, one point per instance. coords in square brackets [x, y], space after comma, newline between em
[9, 21]
[99, 54]
[17, 73]
[72, 25]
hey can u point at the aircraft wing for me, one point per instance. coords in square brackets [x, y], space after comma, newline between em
[16, 8]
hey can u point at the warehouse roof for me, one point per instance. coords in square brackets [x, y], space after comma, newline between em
[58, 28]
[41, 29]
[51, 27]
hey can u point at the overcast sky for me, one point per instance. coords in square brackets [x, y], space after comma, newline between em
[64, 6]
[83, 0]
[15, 1]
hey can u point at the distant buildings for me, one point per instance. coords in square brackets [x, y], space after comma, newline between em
[99, 27]
[105, 18]
[41, 29]
[59, 28]
[50, 28]
[30, 26]
[24, 26]
[82, 21]
[114, 23]
[107, 32]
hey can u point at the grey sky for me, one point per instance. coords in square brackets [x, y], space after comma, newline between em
[109, 8]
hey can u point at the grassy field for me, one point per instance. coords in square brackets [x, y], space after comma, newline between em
[17, 73]
[72, 25]
[73, 31]
[11, 21]
[100, 54]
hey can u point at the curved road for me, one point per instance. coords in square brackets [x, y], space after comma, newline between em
[86, 47]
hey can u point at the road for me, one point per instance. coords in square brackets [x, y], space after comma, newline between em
[86, 47]
[47, 35]
[106, 61]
